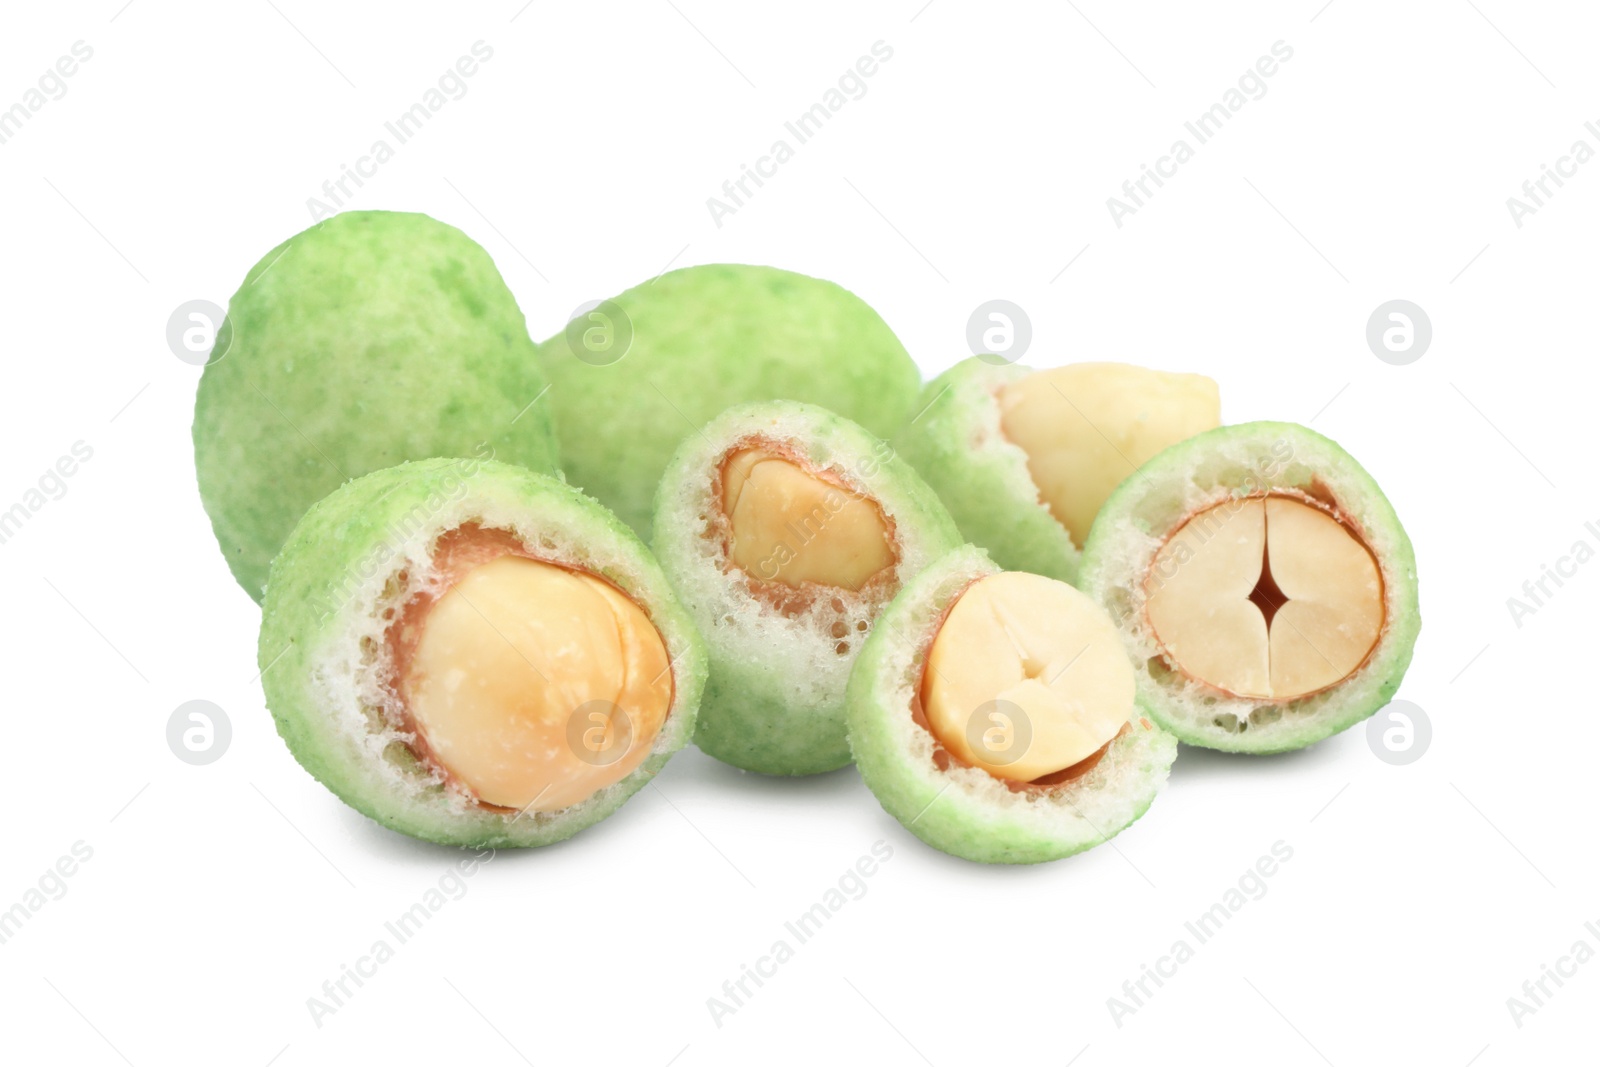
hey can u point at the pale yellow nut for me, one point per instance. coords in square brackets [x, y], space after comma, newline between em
[1199, 598]
[791, 526]
[1026, 677]
[1087, 426]
[1269, 598]
[534, 686]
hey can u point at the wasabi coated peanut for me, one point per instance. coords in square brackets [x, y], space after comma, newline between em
[1264, 587]
[646, 369]
[785, 530]
[371, 338]
[992, 712]
[475, 654]
[1025, 458]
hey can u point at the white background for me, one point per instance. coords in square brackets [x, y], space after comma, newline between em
[977, 165]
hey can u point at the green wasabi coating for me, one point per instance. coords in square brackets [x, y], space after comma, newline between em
[774, 701]
[956, 443]
[1229, 463]
[703, 339]
[966, 811]
[357, 557]
[371, 338]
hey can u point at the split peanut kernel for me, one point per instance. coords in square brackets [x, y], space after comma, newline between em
[534, 686]
[791, 526]
[1026, 677]
[1087, 426]
[1266, 597]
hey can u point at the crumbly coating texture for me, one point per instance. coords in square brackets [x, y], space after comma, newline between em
[955, 441]
[357, 557]
[963, 810]
[774, 702]
[705, 338]
[372, 338]
[1209, 469]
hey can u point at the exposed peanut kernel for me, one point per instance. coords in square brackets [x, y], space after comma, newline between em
[533, 686]
[1026, 677]
[1087, 426]
[791, 526]
[1266, 597]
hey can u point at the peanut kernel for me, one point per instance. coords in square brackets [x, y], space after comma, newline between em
[1026, 677]
[1265, 597]
[1087, 426]
[791, 526]
[534, 686]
